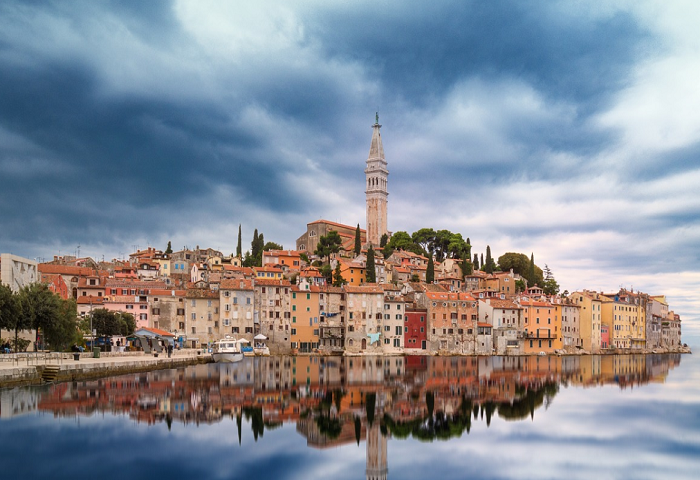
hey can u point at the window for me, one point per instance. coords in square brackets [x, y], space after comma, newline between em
[248, 329]
[194, 329]
[294, 331]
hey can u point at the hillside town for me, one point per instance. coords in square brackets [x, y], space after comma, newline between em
[335, 294]
[198, 296]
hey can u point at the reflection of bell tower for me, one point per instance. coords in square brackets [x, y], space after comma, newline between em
[376, 194]
[377, 468]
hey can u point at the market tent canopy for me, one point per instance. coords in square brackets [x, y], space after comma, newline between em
[260, 336]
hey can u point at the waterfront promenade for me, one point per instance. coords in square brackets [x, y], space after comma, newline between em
[36, 368]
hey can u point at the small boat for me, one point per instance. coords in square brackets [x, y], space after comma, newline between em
[227, 350]
[260, 348]
[246, 348]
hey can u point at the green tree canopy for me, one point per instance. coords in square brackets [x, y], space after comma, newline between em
[523, 266]
[272, 246]
[328, 244]
[370, 271]
[9, 308]
[169, 248]
[403, 241]
[384, 240]
[425, 239]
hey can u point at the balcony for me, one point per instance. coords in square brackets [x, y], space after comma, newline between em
[541, 335]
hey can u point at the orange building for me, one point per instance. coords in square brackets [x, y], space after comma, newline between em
[305, 319]
[542, 322]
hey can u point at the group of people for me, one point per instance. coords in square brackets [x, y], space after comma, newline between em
[6, 347]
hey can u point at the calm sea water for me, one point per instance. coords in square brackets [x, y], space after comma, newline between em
[609, 417]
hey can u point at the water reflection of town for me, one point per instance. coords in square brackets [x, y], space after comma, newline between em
[339, 400]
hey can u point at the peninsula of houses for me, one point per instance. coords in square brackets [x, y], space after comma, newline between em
[351, 299]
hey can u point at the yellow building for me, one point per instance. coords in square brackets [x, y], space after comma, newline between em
[617, 314]
[590, 320]
[304, 327]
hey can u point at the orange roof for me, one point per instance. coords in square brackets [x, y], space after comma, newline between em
[64, 269]
[366, 288]
[271, 282]
[449, 296]
[337, 225]
[158, 331]
[89, 300]
[236, 284]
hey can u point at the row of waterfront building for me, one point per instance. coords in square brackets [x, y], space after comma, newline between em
[298, 311]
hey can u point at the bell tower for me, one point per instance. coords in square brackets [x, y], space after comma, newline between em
[376, 194]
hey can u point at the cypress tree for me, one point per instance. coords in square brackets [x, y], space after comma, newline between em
[483, 264]
[531, 271]
[488, 265]
[476, 261]
[370, 271]
[239, 249]
[358, 241]
[169, 250]
[430, 272]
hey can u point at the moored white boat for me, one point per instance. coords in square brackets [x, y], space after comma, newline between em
[260, 348]
[227, 350]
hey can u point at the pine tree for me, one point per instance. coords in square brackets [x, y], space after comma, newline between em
[239, 250]
[370, 271]
[358, 241]
[430, 271]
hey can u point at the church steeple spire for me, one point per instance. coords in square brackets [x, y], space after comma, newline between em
[376, 175]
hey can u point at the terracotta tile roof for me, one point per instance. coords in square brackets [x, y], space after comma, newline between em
[311, 289]
[65, 270]
[367, 288]
[237, 284]
[201, 293]
[449, 296]
[337, 225]
[332, 289]
[498, 303]
[271, 282]
[89, 299]
[157, 331]
[167, 293]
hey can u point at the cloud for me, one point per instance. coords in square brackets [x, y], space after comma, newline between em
[565, 129]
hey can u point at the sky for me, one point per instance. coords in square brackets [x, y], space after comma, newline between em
[567, 129]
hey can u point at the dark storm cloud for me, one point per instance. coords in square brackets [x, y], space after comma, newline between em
[422, 50]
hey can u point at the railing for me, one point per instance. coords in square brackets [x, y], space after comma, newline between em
[35, 358]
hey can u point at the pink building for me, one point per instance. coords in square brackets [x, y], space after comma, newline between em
[604, 336]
